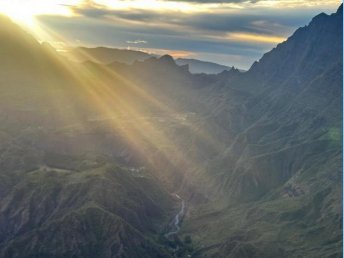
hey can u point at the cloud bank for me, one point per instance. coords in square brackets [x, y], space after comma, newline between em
[233, 32]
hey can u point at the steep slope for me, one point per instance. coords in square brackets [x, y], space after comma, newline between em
[280, 177]
[286, 109]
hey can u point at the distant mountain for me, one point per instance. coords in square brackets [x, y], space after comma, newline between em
[106, 55]
[109, 55]
[198, 66]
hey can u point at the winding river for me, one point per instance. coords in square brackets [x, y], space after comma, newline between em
[177, 218]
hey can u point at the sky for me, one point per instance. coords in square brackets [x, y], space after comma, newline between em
[233, 32]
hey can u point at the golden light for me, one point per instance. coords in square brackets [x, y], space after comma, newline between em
[24, 12]
[258, 38]
[156, 5]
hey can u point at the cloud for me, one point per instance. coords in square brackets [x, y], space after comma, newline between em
[137, 41]
[174, 53]
[216, 1]
[278, 3]
[240, 29]
[278, 22]
[243, 37]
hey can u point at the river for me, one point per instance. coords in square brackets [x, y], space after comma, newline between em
[177, 218]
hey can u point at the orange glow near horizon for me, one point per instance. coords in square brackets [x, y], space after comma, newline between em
[259, 38]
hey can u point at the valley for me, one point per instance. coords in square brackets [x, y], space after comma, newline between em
[149, 160]
[177, 219]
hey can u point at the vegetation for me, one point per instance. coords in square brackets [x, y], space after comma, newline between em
[91, 155]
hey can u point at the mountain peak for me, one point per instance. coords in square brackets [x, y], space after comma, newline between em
[340, 10]
[320, 16]
[300, 50]
[166, 59]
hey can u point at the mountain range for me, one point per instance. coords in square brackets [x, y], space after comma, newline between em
[125, 56]
[140, 157]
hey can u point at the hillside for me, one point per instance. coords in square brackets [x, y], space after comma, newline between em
[63, 195]
[280, 176]
[92, 154]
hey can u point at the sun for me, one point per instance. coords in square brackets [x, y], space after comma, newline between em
[25, 12]
[17, 13]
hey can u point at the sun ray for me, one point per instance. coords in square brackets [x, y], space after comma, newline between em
[123, 103]
[24, 12]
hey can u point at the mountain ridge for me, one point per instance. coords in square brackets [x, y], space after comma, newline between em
[106, 55]
[93, 153]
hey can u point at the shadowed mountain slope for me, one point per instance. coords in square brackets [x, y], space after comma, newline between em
[91, 153]
[280, 177]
